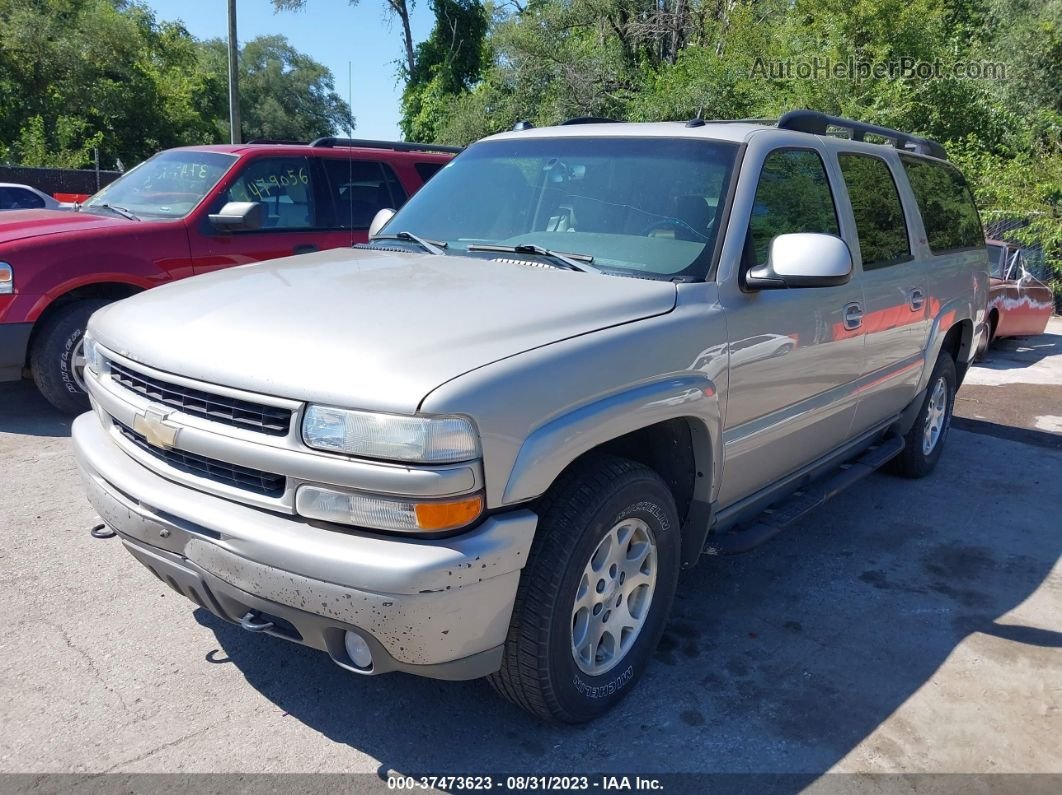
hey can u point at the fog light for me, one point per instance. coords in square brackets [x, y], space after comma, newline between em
[358, 650]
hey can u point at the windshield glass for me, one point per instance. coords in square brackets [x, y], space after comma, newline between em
[649, 206]
[168, 185]
[996, 259]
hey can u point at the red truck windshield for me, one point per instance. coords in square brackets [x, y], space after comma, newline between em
[168, 185]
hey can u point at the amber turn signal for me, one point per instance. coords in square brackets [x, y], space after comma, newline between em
[448, 515]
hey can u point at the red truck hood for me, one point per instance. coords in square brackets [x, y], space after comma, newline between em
[20, 224]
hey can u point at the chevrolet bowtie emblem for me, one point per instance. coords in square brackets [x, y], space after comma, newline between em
[153, 427]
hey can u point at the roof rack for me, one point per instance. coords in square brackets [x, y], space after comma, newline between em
[278, 141]
[588, 120]
[816, 123]
[330, 142]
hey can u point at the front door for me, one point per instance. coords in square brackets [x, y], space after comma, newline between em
[795, 354]
[288, 188]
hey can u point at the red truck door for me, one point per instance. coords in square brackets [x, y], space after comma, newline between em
[357, 189]
[297, 218]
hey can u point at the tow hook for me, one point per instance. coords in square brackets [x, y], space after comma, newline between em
[252, 622]
[102, 531]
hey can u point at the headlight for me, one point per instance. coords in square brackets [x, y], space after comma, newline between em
[391, 437]
[386, 513]
[7, 279]
[92, 354]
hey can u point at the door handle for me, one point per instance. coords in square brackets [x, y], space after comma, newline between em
[916, 300]
[853, 316]
[304, 248]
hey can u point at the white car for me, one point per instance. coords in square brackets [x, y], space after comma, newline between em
[22, 197]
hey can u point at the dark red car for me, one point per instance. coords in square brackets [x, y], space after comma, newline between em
[1019, 305]
[184, 212]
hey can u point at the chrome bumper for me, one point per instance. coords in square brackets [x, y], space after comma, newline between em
[438, 608]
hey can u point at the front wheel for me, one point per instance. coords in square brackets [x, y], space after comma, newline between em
[596, 593]
[925, 441]
[57, 357]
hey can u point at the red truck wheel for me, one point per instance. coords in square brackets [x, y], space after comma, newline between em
[54, 356]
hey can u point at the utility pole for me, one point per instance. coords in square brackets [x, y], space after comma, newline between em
[234, 77]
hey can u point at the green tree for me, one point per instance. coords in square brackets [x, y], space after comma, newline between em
[284, 94]
[448, 64]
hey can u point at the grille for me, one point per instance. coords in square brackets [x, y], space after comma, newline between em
[265, 483]
[218, 408]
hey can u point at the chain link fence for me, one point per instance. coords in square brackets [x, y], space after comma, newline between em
[70, 181]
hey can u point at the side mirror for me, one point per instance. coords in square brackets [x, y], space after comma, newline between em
[379, 221]
[803, 259]
[239, 216]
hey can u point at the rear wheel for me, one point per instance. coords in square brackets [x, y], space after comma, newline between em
[57, 356]
[596, 593]
[925, 441]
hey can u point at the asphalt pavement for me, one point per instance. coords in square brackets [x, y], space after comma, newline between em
[905, 627]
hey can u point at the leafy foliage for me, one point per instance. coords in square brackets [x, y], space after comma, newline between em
[79, 74]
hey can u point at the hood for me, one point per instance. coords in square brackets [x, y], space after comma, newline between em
[19, 224]
[365, 329]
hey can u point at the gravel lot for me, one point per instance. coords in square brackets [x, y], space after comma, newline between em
[908, 626]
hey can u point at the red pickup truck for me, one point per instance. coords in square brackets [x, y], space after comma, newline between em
[184, 212]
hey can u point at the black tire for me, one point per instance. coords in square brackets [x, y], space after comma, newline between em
[915, 461]
[52, 356]
[539, 672]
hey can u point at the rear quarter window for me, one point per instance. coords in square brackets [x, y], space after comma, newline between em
[428, 170]
[945, 204]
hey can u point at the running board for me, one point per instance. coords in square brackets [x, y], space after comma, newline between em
[801, 502]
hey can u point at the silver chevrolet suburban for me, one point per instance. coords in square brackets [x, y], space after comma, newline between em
[485, 443]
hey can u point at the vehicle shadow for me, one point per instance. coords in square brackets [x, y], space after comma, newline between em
[777, 662]
[24, 411]
[1010, 353]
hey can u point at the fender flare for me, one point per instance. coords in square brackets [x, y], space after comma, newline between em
[958, 310]
[552, 447]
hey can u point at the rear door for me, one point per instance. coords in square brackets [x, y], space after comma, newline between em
[355, 191]
[894, 286]
[288, 186]
[794, 361]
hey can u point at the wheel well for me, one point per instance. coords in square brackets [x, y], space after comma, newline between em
[957, 344]
[668, 449]
[110, 291]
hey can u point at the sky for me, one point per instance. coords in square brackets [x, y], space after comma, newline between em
[331, 32]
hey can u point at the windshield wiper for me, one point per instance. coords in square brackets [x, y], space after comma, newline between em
[572, 262]
[431, 246]
[114, 208]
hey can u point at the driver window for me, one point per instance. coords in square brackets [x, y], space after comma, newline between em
[283, 185]
[793, 195]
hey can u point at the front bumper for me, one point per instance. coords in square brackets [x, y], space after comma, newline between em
[438, 608]
[14, 342]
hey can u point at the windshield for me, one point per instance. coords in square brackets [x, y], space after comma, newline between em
[646, 206]
[168, 185]
[997, 259]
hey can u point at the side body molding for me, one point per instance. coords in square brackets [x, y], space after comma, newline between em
[553, 446]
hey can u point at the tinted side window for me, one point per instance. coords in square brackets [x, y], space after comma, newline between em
[17, 199]
[284, 185]
[946, 205]
[877, 209]
[793, 195]
[428, 170]
[358, 189]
